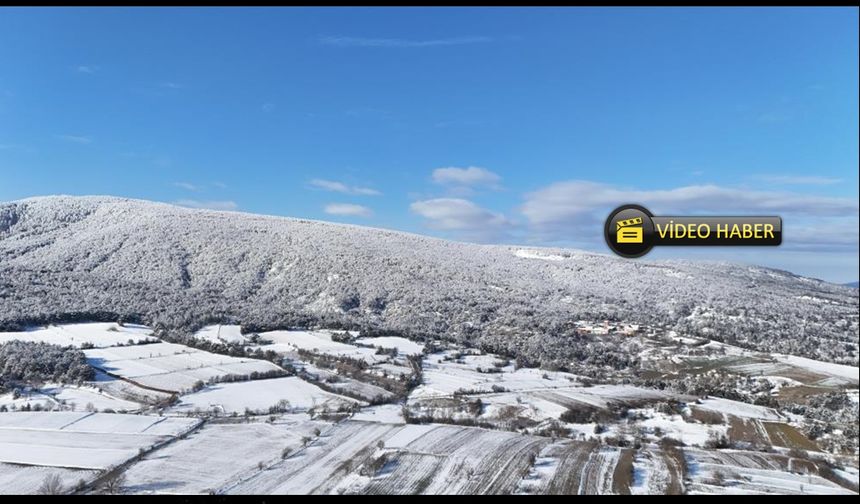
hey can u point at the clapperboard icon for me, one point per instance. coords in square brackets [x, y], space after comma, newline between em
[629, 231]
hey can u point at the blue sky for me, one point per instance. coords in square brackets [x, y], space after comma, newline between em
[492, 125]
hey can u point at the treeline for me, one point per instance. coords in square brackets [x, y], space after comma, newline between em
[24, 362]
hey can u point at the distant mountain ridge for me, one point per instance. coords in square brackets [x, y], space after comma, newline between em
[179, 267]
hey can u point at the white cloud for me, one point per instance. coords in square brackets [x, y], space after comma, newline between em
[341, 41]
[575, 210]
[187, 186]
[78, 139]
[208, 205]
[87, 69]
[170, 85]
[268, 107]
[462, 217]
[335, 186]
[348, 209]
[798, 179]
[472, 176]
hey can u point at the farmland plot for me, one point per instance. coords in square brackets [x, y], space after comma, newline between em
[558, 469]
[221, 334]
[402, 345]
[79, 398]
[481, 373]
[100, 335]
[322, 465]
[739, 409]
[82, 440]
[656, 472]
[580, 468]
[317, 342]
[170, 367]
[55, 397]
[732, 471]
[259, 395]
[21, 479]
[127, 391]
[200, 463]
[435, 459]
[343, 384]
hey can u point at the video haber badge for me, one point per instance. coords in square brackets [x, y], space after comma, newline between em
[632, 230]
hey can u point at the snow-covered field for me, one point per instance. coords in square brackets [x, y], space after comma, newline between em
[77, 398]
[319, 468]
[96, 334]
[444, 377]
[739, 409]
[848, 373]
[575, 468]
[375, 450]
[127, 391]
[429, 459]
[317, 342]
[403, 345]
[734, 472]
[217, 455]
[18, 479]
[259, 395]
[221, 334]
[82, 440]
[171, 367]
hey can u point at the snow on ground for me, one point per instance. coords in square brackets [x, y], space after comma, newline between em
[70, 421]
[82, 440]
[444, 377]
[127, 391]
[439, 459]
[82, 397]
[386, 413]
[178, 467]
[99, 334]
[319, 467]
[409, 433]
[71, 449]
[739, 409]
[23, 480]
[849, 474]
[76, 398]
[534, 254]
[650, 473]
[317, 342]
[171, 367]
[674, 426]
[221, 334]
[260, 395]
[849, 373]
[403, 345]
[27, 400]
[749, 472]
[542, 471]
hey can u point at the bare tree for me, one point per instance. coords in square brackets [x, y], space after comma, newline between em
[51, 485]
[113, 483]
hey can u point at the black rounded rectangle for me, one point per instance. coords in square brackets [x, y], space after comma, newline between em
[718, 231]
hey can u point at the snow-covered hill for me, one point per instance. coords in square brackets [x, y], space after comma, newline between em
[93, 257]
